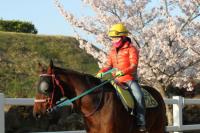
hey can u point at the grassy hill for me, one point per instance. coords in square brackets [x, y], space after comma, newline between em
[20, 54]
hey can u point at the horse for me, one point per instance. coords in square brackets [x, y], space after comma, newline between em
[102, 110]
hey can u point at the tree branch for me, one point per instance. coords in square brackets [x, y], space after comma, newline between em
[181, 69]
[74, 22]
[166, 8]
[141, 18]
[190, 19]
[114, 12]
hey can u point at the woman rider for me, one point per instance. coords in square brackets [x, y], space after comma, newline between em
[124, 57]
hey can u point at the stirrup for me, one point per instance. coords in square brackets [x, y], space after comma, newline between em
[142, 128]
[132, 113]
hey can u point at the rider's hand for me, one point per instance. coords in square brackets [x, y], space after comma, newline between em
[99, 75]
[119, 73]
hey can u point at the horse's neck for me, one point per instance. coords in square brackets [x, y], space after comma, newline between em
[78, 84]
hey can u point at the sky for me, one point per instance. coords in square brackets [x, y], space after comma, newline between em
[42, 13]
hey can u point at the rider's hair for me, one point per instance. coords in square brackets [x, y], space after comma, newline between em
[125, 39]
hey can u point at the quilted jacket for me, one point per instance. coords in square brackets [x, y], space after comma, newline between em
[124, 59]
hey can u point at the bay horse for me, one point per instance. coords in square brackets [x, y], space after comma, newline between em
[102, 110]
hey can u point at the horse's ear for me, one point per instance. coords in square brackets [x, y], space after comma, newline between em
[51, 64]
[39, 65]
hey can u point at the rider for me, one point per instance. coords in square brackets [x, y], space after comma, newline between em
[124, 57]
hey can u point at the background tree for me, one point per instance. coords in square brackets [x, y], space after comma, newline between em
[17, 26]
[167, 33]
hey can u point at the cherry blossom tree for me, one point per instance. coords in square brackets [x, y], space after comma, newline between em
[166, 32]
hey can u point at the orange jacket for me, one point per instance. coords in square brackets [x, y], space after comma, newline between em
[125, 60]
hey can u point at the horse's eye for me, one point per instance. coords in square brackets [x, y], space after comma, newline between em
[44, 86]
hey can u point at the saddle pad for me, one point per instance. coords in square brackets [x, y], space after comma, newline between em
[150, 101]
[127, 98]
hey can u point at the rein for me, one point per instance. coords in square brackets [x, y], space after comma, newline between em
[69, 101]
[101, 96]
[66, 101]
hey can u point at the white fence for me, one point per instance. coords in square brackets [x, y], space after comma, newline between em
[178, 104]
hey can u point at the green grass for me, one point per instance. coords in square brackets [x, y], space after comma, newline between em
[20, 54]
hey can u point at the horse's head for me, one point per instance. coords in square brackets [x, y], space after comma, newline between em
[50, 89]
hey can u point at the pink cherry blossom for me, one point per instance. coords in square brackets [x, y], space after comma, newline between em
[167, 35]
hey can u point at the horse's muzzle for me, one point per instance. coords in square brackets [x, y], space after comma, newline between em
[37, 115]
[50, 110]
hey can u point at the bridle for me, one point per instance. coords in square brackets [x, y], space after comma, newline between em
[50, 99]
[55, 82]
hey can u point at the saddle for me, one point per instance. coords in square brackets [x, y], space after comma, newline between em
[128, 100]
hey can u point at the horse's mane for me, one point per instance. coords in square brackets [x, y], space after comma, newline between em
[82, 75]
[73, 72]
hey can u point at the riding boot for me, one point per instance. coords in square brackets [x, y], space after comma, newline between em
[140, 104]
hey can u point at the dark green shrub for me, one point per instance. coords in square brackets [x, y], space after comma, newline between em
[17, 26]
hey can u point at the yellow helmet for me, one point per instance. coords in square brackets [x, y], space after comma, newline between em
[118, 30]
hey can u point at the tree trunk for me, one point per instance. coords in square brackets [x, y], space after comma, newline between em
[169, 114]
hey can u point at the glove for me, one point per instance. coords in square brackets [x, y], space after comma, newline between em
[119, 73]
[99, 75]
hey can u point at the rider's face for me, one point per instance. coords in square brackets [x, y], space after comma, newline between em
[115, 39]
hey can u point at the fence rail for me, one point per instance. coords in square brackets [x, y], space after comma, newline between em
[177, 101]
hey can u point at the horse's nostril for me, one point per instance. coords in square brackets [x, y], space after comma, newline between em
[50, 110]
[37, 115]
